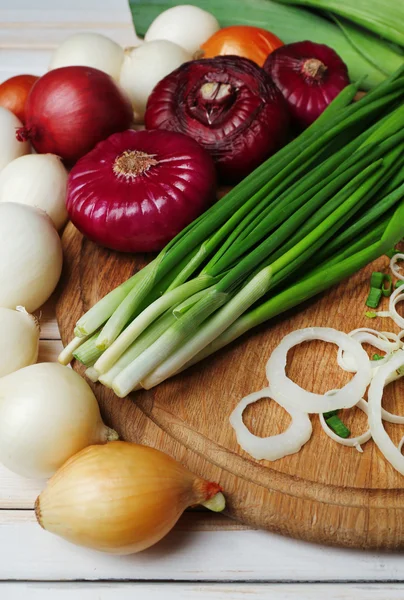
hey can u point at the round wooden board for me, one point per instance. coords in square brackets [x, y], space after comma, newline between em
[325, 493]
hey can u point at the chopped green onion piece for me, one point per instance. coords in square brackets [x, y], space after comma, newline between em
[399, 283]
[338, 426]
[329, 414]
[370, 314]
[376, 280]
[400, 371]
[377, 357]
[386, 290]
[374, 298]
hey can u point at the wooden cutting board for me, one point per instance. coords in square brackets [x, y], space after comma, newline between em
[327, 492]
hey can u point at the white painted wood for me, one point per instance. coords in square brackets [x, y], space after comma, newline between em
[184, 591]
[29, 553]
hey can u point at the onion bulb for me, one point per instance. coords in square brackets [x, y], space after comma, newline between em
[14, 93]
[120, 498]
[88, 49]
[30, 256]
[39, 180]
[143, 67]
[47, 414]
[185, 25]
[19, 340]
[10, 147]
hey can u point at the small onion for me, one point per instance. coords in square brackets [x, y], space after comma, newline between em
[144, 66]
[136, 190]
[30, 256]
[121, 498]
[89, 49]
[71, 109]
[47, 414]
[39, 180]
[309, 75]
[186, 25]
[14, 93]
[10, 148]
[229, 105]
[19, 340]
[274, 446]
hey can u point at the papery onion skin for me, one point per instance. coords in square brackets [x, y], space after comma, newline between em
[119, 498]
[140, 212]
[71, 109]
[14, 93]
[309, 76]
[229, 105]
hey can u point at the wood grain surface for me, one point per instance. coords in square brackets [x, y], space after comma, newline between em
[326, 493]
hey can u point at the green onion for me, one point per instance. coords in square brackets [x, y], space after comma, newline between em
[329, 414]
[374, 297]
[377, 357]
[370, 315]
[335, 423]
[386, 290]
[376, 280]
[399, 282]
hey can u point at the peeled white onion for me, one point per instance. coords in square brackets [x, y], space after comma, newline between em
[39, 180]
[375, 395]
[143, 67]
[10, 147]
[186, 25]
[30, 256]
[47, 414]
[89, 49]
[275, 446]
[19, 340]
[289, 394]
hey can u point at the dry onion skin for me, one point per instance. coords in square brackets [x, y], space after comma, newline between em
[120, 498]
[287, 393]
[275, 446]
[19, 340]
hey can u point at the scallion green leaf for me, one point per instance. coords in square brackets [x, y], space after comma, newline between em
[376, 280]
[338, 426]
[374, 298]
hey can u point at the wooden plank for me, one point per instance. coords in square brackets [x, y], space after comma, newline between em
[29, 553]
[49, 350]
[47, 320]
[184, 591]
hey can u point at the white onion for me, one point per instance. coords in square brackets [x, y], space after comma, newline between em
[19, 340]
[185, 25]
[47, 414]
[289, 394]
[145, 66]
[89, 50]
[379, 434]
[38, 180]
[10, 147]
[30, 256]
[274, 446]
[393, 266]
[353, 442]
[396, 297]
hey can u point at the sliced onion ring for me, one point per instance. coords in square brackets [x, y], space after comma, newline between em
[275, 446]
[396, 297]
[393, 266]
[353, 442]
[290, 395]
[377, 339]
[379, 434]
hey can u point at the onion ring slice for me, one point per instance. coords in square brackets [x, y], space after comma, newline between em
[275, 446]
[290, 395]
[377, 339]
[379, 434]
[393, 266]
[352, 442]
[396, 297]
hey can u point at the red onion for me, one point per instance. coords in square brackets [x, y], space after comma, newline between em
[71, 109]
[309, 76]
[136, 190]
[229, 105]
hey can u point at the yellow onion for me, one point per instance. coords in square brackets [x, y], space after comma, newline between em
[121, 497]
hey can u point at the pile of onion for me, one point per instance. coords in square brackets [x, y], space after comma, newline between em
[71, 109]
[309, 76]
[136, 190]
[229, 105]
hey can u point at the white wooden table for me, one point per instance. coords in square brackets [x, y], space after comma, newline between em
[205, 556]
